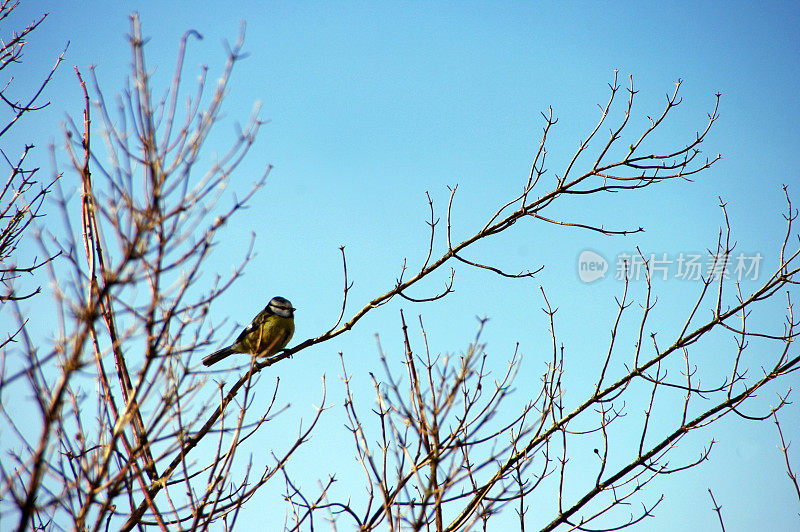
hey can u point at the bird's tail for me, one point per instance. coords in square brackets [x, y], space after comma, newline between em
[215, 357]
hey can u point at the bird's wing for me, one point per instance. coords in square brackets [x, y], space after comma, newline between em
[254, 325]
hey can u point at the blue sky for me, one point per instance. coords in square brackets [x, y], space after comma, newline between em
[372, 105]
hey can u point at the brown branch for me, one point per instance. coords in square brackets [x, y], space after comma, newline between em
[784, 448]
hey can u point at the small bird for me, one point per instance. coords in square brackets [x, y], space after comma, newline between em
[268, 333]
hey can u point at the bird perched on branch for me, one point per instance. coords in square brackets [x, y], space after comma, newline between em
[268, 333]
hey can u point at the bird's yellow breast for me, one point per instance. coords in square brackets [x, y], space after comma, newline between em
[273, 334]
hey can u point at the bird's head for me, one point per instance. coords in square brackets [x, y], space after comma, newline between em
[280, 306]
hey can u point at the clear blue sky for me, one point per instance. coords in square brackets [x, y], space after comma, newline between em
[372, 105]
